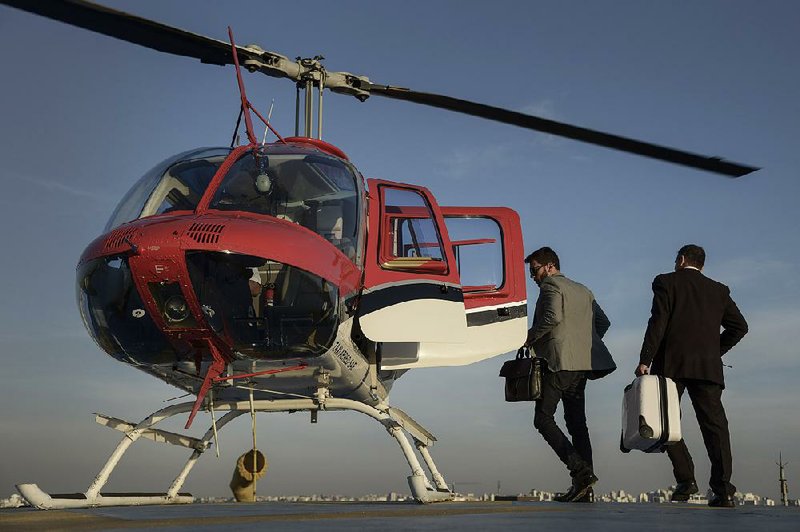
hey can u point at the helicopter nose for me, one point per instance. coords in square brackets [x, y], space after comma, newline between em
[117, 317]
[267, 290]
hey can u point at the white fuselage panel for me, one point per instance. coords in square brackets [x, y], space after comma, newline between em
[481, 342]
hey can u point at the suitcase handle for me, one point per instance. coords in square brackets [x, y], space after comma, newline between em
[523, 352]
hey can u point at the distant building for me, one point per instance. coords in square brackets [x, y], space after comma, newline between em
[15, 501]
[658, 496]
[536, 495]
[697, 499]
[748, 499]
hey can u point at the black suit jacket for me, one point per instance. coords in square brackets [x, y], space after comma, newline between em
[683, 337]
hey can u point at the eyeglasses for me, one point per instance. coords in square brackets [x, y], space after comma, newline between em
[535, 269]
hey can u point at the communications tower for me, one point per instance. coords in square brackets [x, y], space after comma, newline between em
[782, 480]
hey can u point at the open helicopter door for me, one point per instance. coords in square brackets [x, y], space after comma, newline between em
[488, 250]
[411, 288]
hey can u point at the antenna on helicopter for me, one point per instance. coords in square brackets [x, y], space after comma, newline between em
[269, 117]
[235, 138]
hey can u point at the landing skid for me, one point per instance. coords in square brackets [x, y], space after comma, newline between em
[396, 422]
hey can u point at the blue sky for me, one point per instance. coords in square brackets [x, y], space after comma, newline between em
[83, 116]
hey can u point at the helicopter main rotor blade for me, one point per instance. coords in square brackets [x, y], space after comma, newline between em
[168, 39]
[154, 35]
[129, 28]
[591, 136]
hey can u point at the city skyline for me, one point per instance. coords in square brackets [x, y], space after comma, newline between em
[656, 496]
[85, 116]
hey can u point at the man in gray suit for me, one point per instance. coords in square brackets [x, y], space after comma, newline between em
[568, 326]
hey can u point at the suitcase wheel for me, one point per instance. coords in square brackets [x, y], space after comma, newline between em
[645, 430]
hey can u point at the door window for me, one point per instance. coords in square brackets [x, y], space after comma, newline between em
[478, 248]
[411, 239]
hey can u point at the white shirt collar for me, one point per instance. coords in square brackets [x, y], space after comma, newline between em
[691, 268]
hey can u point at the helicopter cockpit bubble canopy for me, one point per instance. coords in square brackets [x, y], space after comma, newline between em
[296, 184]
[176, 183]
[249, 249]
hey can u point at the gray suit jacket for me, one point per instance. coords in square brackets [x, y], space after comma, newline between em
[568, 327]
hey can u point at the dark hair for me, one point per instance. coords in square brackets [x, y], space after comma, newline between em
[544, 256]
[694, 255]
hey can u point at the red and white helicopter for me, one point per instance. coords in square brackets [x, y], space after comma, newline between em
[273, 277]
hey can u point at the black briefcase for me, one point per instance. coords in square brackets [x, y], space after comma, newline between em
[523, 377]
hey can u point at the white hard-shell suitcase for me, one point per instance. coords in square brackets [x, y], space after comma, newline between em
[651, 414]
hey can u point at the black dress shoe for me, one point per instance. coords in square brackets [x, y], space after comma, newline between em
[683, 490]
[722, 501]
[581, 484]
[588, 497]
[566, 496]
[569, 496]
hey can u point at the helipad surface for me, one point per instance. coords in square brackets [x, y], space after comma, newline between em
[407, 516]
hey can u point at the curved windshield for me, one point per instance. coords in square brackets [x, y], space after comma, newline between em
[115, 316]
[264, 308]
[175, 184]
[313, 190]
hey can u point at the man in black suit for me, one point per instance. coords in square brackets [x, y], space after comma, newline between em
[683, 342]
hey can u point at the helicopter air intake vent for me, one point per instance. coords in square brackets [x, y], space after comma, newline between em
[119, 238]
[205, 233]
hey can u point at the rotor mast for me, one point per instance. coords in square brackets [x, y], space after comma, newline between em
[313, 77]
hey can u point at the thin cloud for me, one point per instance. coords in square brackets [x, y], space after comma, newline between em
[770, 342]
[461, 163]
[544, 108]
[746, 271]
[61, 188]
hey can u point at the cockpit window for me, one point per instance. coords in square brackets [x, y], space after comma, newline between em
[315, 191]
[176, 184]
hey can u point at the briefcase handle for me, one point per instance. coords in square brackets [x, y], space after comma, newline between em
[523, 352]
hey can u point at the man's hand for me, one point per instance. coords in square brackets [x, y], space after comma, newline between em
[641, 369]
[529, 339]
